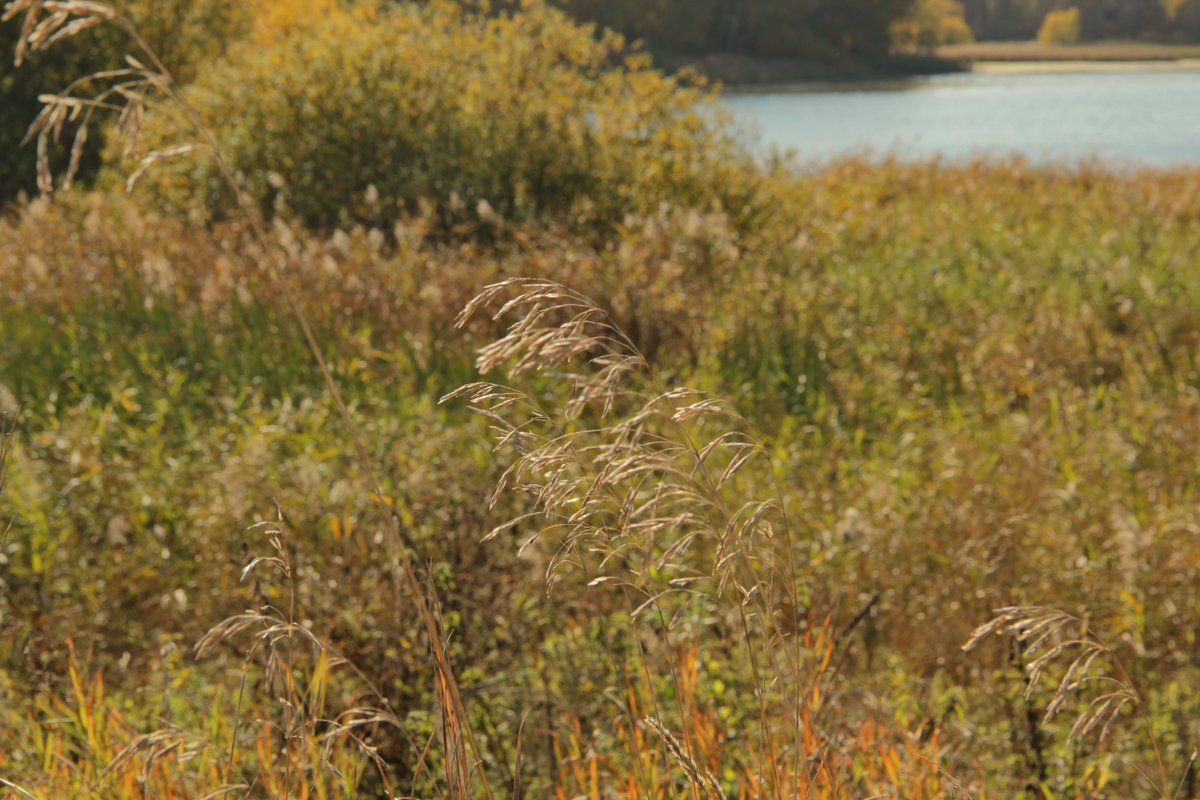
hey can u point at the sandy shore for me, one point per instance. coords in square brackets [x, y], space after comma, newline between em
[1090, 51]
[1034, 67]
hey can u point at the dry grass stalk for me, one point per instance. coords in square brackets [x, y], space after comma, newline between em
[19, 790]
[700, 778]
[156, 746]
[641, 477]
[276, 632]
[1049, 636]
[637, 486]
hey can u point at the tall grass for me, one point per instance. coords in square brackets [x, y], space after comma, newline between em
[990, 408]
[635, 488]
[1018, 463]
[127, 91]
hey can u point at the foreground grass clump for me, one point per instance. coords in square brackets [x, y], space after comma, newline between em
[992, 406]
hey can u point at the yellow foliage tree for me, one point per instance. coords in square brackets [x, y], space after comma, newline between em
[1171, 7]
[930, 24]
[274, 18]
[1060, 27]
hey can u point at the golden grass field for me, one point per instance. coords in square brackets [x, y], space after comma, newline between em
[681, 476]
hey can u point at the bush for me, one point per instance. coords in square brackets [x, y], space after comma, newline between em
[1060, 27]
[364, 114]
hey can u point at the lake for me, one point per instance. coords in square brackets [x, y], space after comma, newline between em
[1149, 117]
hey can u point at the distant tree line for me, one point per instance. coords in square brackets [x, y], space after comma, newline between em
[834, 30]
[1099, 19]
[824, 30]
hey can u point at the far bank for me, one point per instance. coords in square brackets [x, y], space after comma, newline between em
[740, 73]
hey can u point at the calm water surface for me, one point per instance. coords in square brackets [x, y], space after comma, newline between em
[1150, 118]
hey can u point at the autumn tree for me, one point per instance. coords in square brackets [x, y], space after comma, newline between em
[930, 24]
[1060, 27]
[1098, 19]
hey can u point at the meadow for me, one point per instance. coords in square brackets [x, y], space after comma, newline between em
[759, 452]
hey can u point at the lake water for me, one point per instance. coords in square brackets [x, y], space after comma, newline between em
[1149, 117]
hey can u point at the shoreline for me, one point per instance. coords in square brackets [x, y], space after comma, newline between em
[1110, 51]
[988, 67]
[745, 74]
[1011, 67]
[740, 72]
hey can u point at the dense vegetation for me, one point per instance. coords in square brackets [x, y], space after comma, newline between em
[794, 28]
[1170, 20]
[535, 125]
[864, 33]
[963, 387]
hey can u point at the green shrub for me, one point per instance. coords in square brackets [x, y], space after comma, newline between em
[364, 114]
